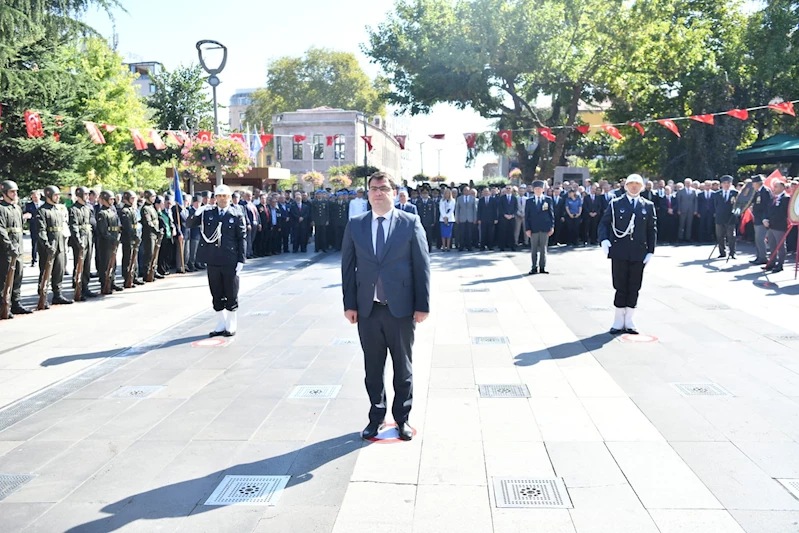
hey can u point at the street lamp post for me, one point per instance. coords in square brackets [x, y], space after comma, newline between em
[191, 124]
[439, 160]
[421, 158]
[203, 47]
[362, 116]
[311, 147]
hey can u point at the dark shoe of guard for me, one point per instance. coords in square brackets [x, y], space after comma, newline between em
[117, 287]
[89, 294]
[776, 269]
[158, 276]
[405, 431]
[630, 331]
[372, 429]
[732, 255]
[17, 309]
[614, 331]
[533, 271]
[60, 300]
[93, 275]
[227, 333]
[722, 255]
[217, 333]
[542, 271]
[138, 281]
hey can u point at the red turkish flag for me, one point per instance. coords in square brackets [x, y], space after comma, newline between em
[238, 136]
[266, 138]
[138, 139]
[33, 123]
[670, 125]
[368, 140]
[613, 131]
[172, 136]
[507, 136]
[740, 114]
[546, 133]
[109, 128]
[584, 129]
[203, 136]
[94, 133]
[401, 140]
[707, 119]
[784, 107]
[471, 139]
[57, 136]
[637, 125]
[330, 139]
[773, 178]
[299, 138]
[438, 136]
[158, 143]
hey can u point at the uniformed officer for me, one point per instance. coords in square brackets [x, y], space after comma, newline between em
[151, 233]
[11, 246]
[339, 216]
[760, 206]
[628, 232]
[320, 215]
[51, 218]
[223, 248]
[81, 240]
[108, 235]
[723, 204]
[130, 239]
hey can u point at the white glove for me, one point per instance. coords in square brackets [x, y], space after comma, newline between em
[239, 266]
[647, 258]
[605, 246]
[199, 210]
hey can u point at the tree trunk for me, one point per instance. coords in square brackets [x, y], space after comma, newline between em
[548, 169]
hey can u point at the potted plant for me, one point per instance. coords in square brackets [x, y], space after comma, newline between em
[438, 179]
[231, 154]
[315, 179]
[340, 181]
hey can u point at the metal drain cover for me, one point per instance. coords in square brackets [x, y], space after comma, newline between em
[791, 484]
[481, 310]
[11, 482]
[260, 313]
[504, 391]
[475, 290]
[700, 389]
[489, 340]
[784, 337]
[531, 492]
[135, 391]
[345, 342]
[248, 490]
[315, 391]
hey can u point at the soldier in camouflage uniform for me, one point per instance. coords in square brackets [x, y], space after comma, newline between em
[107, 240]
[320, 215]
[130, 235]
[51, 218]
[151, 232]
[339, 216]
[11, 244]
[80, 238]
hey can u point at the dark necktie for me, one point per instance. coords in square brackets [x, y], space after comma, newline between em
[381, 242]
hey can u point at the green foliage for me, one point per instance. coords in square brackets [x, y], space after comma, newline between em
[353, 171]
[419, 178]
[321, 77]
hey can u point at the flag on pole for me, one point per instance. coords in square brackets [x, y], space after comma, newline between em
[368, 140]
[507, 137]
[670, 125]
[546, 133]
[471, 139]
[401, 141]
[255, 145]
[176, 187]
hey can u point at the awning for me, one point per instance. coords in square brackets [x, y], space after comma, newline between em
[782, 148]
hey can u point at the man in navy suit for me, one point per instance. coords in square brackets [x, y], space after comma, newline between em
[404, 204]
[723, 205]
[539, 218]
[507, 205]
[385, 278]
[592, 210]
[705, 210]
[487, 219]
[628, 232]
[300, 213]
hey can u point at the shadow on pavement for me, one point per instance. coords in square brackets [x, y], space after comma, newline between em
[60, 360]
[187, 497]
[565, 350]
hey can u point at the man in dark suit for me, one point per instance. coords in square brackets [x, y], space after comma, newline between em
[300, 213]
[385, 278]
[487, 219]
[507, 205]
[667, 209]
[777, 224]
[723, 204]
[628, 232]
[760, 206]
[539, 219]
[705, 210]
[592, 211]
[427, 210]
[560, 216]
[405, 205]
[284, 222]
[465, 219]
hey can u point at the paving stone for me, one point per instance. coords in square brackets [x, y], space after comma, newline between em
[609, 510]
[450, 462]
[767, 521]
[619, 419]
[365, 508]
[695, 521]
[585, 464]
[434, 505]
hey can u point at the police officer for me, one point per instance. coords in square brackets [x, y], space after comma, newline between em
[223, 248]
[11, 245]
[628, 232]
[339, 216]
[130, 239]
[760, 206]
[320, 215]
[539, 219]
[51, 218]
[151, 233]
[108, 235]
[81, 240]
[723, 204]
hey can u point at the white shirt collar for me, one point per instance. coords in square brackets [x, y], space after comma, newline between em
[633, 199]
[387, 216]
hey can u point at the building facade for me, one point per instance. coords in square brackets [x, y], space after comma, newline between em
[239, 103]
[145, 70]
[344, 129]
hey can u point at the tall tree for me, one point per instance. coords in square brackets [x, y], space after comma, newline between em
[181, 93]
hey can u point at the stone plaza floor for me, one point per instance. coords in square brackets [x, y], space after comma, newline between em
[118, 415]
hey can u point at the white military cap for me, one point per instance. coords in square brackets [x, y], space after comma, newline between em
[635, 178]
[222, 189]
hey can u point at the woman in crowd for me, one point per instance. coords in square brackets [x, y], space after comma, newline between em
[447, 219]
[574, 212]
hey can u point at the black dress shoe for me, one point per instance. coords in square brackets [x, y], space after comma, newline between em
[138, 281]
[117, 287]
[405, 431]
[614, 331]
[60, 300]
[93, 275]
[542, 271]
[158, 276]
[732, 256]
[227, 333]
[89, 294]
[372, 429]
[722, 255]
[630, 331]
[217, 333]
[754, 261]
[17, 309]
[776, 269]
[533, 271]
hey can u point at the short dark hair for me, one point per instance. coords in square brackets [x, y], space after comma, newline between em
[382, 176]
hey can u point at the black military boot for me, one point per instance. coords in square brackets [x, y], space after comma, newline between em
[117, 287]
[89, 294]
[18, 309]
[60, 300]
[138, 281]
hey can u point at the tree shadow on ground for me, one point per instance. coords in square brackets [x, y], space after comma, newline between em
[188, 497]
[564, 350]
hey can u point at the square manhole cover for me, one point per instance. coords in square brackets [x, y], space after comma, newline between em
[700, 389]
[248, 490]
[475, 290]
[315, 391]
[481, 310]
[792, 485]
[531, 492]
[260, 313]
[345, 342]
[489, 340]
[784, 337]
[504, 391]
[11, 482]
[135, 391]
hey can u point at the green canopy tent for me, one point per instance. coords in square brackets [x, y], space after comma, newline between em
[781, 148]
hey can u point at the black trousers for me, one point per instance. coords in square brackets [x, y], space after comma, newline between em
[726, 233]
[285, 233]
[486, 234]
[338, 237]
[87, 264]
[224, 285]
[379, 333]
[505, 233]
[431, 236]
[590, 227]
[299, 237]
[627, 279]
[273, 246]
[465, 235]
[706, 228]
[572, 230]
[320, 238]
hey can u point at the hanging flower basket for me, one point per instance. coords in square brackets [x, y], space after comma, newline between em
[515, 174]
[438, 179]
[316, 179]
[201, 156]
[340, 181]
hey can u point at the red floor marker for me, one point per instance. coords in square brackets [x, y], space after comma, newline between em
[389, 435]
[209, 343]
[638, 338]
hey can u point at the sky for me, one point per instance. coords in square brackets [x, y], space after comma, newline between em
[254, 32]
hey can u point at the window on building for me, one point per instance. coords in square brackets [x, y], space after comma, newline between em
[318, 146]
[296, 150]
[339, 148]
[152, 88]
[279, 148]
[242, 117]
[269, 160]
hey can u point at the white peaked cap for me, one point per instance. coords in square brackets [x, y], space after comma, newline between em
[635, 178]
[222, 189]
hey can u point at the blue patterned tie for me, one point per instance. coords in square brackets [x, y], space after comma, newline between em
[381, 242]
